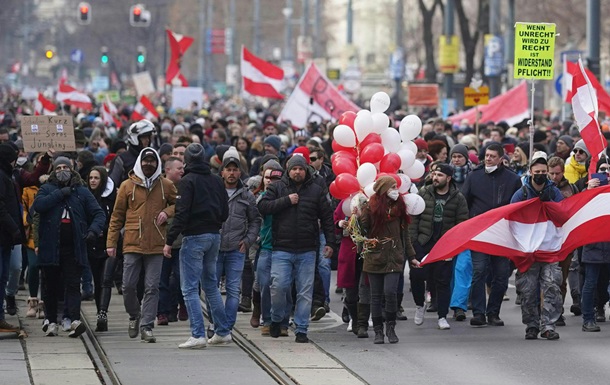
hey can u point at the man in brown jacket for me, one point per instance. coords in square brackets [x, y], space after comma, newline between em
[144, 203]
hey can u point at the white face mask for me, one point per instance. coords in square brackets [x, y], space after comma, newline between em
[393, 194]
[490, 169]
[421, 160]
[21, 160]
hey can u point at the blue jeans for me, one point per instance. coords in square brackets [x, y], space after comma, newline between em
[263, 276]
[169, 287]
[5, 262]
[198, 264]
[324, 268]
[232, 264]
[14, 271]
[589, 289]
[87, 280]
[500, 270]
[285, 268]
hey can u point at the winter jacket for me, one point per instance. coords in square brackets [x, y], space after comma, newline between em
[11, 222]
[550, 193]
[85, 215]
[455, 211]
[295, 227]
[596, 253]
[106, 202]
[574, 170]
[346, 264]
[386, 257]
[485, 191]
[123, 164]
[27, 199]
[202, 205]
[243, 222]
[137, 207]
[567, 189]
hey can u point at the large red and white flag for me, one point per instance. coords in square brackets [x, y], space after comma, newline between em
[315, 98]
[584, 106]
[571, 69]
[178, 45]
[531, 231]
[109, 113]
[43, 106]
[69, 95]
[144, 109]
[259, 77]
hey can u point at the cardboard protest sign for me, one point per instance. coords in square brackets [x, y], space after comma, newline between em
[43, 132]
[534, 50]
[476, 97]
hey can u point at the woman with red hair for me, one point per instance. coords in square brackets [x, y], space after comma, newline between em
[385, 224]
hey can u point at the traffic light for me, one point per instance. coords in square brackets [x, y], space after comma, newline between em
[104, 59]
[84, 13]
[139, 16]
[141, 57]
[49, 54]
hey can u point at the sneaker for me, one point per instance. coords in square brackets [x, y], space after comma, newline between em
[506, 297]
[102, 323]
[349, 326]
[76, 329]
[459, 315]
[51, 330]
[146, 335]
[11, 305]
[478, 320]
[194, 343]
[210, 331]
[561, 321]
[183, 314]
[220, 340]
[301, 338]
[45, 325]
[265, 330]
[600, 314]
[162, 320]
[275, 329]
[7, 327]
[317, 313]
[531, 334]
[134, 327]
[550, 335]
[419, 314]
[283, 331]
[590, 326]
[66, 324]
[443, 324]
[400, 314]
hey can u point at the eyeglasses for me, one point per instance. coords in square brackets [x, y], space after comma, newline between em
[313, 158]
[579, 151]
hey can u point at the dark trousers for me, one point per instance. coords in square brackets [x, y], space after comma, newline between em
[247, 278]
[500, 268]
[57, 278]
[439, 274]
[384, 286]
[169, 286]
[103, 281]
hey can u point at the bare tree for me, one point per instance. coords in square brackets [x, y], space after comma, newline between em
[428, 16]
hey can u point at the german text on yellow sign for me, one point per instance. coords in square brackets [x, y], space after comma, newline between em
[449, 57]
[474, 97]
[534, 50]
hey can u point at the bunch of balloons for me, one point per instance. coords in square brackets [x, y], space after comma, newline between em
[366, 147]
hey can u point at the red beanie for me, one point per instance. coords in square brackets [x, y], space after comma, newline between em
[108, 158]
[421, 144]
[304, 151]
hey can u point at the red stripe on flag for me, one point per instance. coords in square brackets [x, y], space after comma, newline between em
[265, 90]
[266, 68]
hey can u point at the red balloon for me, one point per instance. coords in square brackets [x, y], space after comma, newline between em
[337, 147]
[344, 164]
[372, 153]
[348, 118]
[343, 154]
[370, 138]
[396, 177]
[347, 183]
[334, 191]
[390, 163]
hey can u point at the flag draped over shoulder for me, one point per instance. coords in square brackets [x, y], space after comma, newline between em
[178, 45]
[259, 77]
[531, 231]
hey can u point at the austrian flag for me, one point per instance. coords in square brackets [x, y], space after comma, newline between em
[260, 78]
[144, 109]
[43, 106]
[70, 96]
[531, 231]
[178, 44]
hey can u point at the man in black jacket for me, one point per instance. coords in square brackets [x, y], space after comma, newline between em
[296, 204]
[201, 208]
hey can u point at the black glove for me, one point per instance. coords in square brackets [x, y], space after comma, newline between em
[66, 191]
[91, 238]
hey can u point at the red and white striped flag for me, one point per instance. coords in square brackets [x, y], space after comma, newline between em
[109, 113]
[571, 69]
[144, 109]
[43, 106]
[260, 78]
[69, 95]
[178, 45]
[584, 106]
[531, 231]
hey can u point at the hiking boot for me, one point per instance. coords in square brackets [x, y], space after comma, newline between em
[283, 331]
[478, 320]
[362, 332]
[183, 314]
[363, 313]
[459, 315]
[102, 323]
[194, 343]
[32, 308]
[379, 339]
[146, 335]
[265, 330]
[66, 324]
[531, 334]
[419, 314]
[7, 327]
[301, 338]
[561, 321]
[275, 329]
[550, 335]
[443, 324]
[162, 320]
[494, 320]
[76, 329]
[134, 327]
[245, 305]
[220, 340]
[11, 305]
[590, 326]
[317, 313]
[390, 332]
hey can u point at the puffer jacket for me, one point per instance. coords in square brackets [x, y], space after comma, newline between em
[85, 215]
[244, 221]
[11, 222]
[137, 207]
[455, 211]
[295, 227]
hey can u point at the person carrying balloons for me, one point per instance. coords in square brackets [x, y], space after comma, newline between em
[385, 224]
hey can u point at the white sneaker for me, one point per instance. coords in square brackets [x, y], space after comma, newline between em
[66, 324]
[76, 329]
[51, 330]
[443, 324]
[218, 340]
[349, 326]
[194, 343]
[419, 315]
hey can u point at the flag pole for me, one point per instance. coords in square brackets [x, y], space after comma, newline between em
[531, 121]
[476, 121]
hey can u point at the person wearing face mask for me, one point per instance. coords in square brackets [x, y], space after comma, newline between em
[70, 218]
[385, 223]
[487, 187]
[541, 280]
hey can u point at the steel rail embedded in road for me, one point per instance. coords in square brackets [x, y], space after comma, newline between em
[98, 356]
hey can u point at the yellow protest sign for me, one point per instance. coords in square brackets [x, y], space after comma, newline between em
[473, 97]
[534, 50]
[43, 132]
[449, 55]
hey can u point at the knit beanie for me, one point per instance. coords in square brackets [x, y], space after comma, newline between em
[567, 139]
[62, 160]
[165, 149]
[273, 165]
[194, 153]
[459, 149]
[7, 154]
[383, 184]
[274, 141]
[296, 160]
[581, 145]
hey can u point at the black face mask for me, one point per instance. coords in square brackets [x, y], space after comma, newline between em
[148, 170]
[540, 179]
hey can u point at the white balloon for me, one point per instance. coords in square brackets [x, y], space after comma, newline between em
[380, 122]
[346, 206]
[368, 189]
[415, 204]
[409, 145]
[407, 158]
[356, 203]
[416, 171]
[390, 138]
[380, 102]
[366, 174]
[410, 127]
[413, 189]
[344, 136]
[363, 112]
[405, 184]
[363, 125]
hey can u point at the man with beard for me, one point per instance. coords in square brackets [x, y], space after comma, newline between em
[144, 203]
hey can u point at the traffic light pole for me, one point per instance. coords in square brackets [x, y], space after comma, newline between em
[593, 33]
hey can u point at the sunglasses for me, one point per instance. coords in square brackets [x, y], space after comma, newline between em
[604, 169]
[579, 151]
[313, 158]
